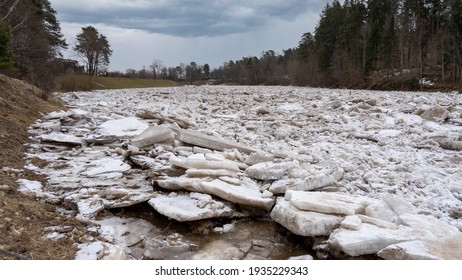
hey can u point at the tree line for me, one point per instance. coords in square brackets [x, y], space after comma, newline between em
[374, 43]
[361, 43]
[30, 39]
[31, 43]
[382, 44]
[157, 70]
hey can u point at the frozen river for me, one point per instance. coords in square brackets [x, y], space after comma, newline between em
[231, 172]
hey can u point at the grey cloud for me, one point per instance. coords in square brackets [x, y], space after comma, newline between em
[184, 18]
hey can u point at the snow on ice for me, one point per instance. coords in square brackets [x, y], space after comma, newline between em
[373, 172]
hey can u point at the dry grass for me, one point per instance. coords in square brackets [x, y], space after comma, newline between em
[67, 83]
[22, 218]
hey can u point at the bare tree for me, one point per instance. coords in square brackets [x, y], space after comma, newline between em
[156, 67]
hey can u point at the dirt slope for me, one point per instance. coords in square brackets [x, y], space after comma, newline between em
[22, 218]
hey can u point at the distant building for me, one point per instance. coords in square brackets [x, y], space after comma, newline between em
[67, 66]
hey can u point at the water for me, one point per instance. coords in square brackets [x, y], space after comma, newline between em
[256, 238]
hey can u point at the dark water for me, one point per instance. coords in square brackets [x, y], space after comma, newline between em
[266, 239]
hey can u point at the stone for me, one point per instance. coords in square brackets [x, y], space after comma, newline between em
[304, 223]
[153, 135]
[328, 203]
[370, 239]
[449, 248]
[246, 193]
[203, 140]
[191, 207]
[436, 113]
[60, 138]
[267, 171]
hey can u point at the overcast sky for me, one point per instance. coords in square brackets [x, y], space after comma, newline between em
[176, 31]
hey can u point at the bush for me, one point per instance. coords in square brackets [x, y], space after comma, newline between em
[413, 84]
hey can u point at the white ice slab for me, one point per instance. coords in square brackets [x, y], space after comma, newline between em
[123, 127]
[105, 165]
[61, 139]
[328, 203]
[370, 239]
[304, 223]
[244, 194]
[191, 207]
[442, 249]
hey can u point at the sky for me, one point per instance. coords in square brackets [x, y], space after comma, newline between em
[179, 31]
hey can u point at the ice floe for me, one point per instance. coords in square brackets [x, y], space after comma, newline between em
[372, 172]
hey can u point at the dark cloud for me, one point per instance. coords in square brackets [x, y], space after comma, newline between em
[183, 18]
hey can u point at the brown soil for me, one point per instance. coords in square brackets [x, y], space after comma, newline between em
[22, 218]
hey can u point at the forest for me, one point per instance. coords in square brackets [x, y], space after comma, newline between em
[376, 44]
[386, 44]
[30, 40]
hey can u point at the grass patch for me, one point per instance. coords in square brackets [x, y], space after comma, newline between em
[119, 83]
[66, 83]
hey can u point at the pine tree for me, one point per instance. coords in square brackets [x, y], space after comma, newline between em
[93, 48]
[6, 54]
[36, 38]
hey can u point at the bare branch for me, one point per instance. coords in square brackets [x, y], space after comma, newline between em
[11, 9]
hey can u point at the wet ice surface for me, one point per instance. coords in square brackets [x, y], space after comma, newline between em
[249, 145]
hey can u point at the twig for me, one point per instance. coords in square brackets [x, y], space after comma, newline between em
[12, 254]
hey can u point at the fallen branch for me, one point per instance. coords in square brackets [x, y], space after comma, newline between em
[12, 254]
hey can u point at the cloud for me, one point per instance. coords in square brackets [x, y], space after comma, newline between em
[184, 18]
[210, 32]
[136, 48]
